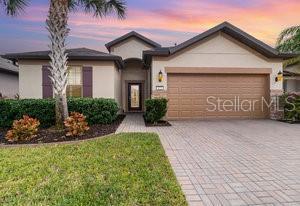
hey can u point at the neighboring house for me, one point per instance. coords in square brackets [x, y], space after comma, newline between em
[9, 82]
[291, 82]
[223, 62]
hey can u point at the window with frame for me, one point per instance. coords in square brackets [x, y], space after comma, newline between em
[74, 88]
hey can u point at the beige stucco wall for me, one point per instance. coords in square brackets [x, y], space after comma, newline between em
[133, 72]
[30, 79]
[130, 48]
[118, 84]
[217, 51]
[105, 75]
[9, 84]
[103, 79]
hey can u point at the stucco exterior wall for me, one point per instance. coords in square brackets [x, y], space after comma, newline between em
[131, 48]
[30, 78]
[103, 80]
[118, 84]
[218, 51]
[9, 84]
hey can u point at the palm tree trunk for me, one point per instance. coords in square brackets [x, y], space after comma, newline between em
[57, 22]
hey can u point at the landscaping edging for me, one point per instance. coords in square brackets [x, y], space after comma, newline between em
[96, 131]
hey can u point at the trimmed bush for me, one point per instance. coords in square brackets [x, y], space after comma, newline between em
[23, 129]
[41, 109]
[76, 124]
[97, 111]
[291, 103]
[156, 109]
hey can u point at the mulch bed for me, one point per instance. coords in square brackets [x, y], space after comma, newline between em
[50, 135]
[161, 123]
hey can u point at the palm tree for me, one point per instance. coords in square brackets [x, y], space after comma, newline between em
[57, 25]
[289, 42]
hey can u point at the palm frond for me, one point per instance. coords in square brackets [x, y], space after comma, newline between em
[292, 61]
[102, 8]
[117, 6]
[288, 35]
[14, 7]
[72, 4]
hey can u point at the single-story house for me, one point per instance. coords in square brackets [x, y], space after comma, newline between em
[9, 80]
[291, 82]
[222, 64]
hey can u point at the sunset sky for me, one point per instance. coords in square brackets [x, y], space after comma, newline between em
[165, 21]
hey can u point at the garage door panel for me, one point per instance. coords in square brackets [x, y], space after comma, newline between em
[173, 90]
[173, 114]
[188, 95]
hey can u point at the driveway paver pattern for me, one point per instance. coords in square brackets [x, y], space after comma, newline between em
[231, 162]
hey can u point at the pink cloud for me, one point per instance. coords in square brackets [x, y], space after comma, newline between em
[264, 20]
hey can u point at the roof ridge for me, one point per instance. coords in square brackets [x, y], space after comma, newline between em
[232, 31]
[129, 35]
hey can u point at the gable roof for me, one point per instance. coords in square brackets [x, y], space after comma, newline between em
[8, 67]
[129, 35]
[73, 54]
[230, 30]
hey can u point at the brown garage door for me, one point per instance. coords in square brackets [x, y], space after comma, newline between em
[204, 96]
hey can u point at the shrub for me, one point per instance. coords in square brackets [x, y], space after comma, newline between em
[291, 104]
[156, 109]
[97, 111]
[41, 109]
[23, 129]
[76, 124]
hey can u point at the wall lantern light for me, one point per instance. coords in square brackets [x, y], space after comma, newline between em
[160, 76]
[279, 77]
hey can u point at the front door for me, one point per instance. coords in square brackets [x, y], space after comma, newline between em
[134, 97]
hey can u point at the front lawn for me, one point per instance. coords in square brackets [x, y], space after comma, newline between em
[124, 169]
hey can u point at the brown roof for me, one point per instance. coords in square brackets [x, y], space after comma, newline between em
[129, 35]
[73, 54]
[230, 30]
[7, 66]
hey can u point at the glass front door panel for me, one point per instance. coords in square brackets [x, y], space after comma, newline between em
[135, 96]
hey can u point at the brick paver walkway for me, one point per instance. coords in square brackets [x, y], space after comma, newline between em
[249, 162]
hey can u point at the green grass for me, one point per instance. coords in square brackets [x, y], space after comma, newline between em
[124, 169]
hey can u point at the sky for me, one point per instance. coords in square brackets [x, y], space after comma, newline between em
[164, 21]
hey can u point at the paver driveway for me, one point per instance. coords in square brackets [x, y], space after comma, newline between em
[249, 162]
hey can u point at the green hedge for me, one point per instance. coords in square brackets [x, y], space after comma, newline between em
[156, 109]
[97, 111]
[291, 103]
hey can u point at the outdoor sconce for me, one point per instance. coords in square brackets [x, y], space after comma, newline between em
[160, 76]
[279, 77]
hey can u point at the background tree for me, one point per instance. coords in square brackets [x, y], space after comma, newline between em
[57, 25]
[289, 41]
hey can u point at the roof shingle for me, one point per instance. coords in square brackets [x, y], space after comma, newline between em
[73, 54]
[8, 66]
